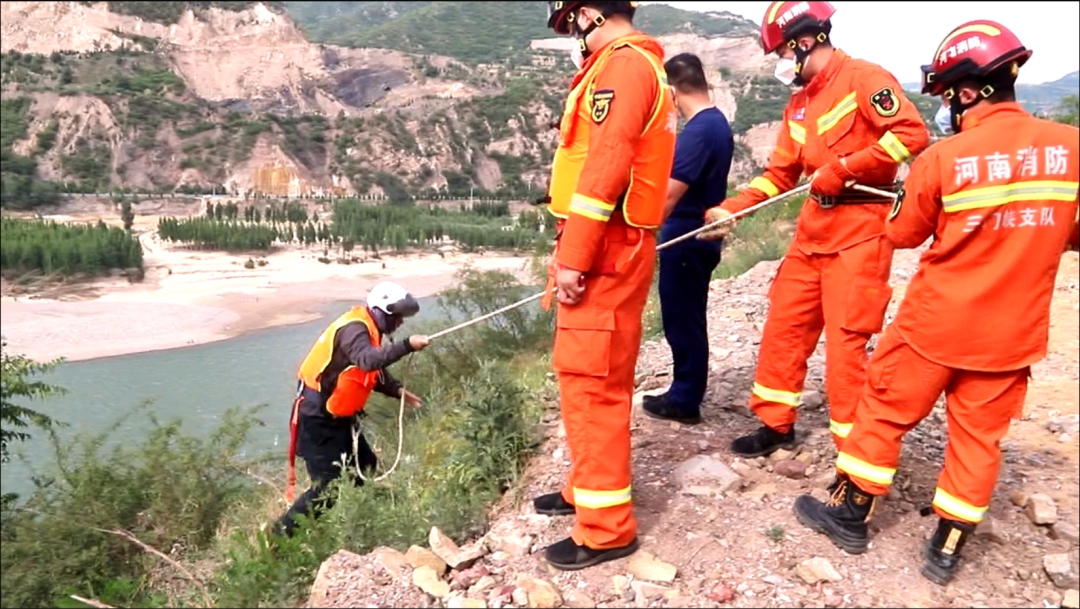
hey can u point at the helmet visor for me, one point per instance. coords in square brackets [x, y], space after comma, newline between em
[406, 307]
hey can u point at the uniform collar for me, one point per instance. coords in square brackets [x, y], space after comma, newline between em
[990, 113]
[825, 76]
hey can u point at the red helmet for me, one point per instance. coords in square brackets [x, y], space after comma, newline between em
[971, 51]
[786, 20]
[562, 14]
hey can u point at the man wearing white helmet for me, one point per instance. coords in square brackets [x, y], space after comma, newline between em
[343, 368]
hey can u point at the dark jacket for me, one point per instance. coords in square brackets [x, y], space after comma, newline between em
[352, 347]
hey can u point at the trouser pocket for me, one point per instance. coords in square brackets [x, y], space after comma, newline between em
[869, 292]
[868, 299]
[583, 340]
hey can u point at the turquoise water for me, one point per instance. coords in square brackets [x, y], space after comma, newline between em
[196, 384]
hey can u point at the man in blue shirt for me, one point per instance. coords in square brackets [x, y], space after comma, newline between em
[699, 179]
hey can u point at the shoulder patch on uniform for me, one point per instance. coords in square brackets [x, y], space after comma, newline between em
[885, 102]
[896, 205]
[601, 104]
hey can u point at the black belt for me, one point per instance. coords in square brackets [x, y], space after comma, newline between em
[855, 197]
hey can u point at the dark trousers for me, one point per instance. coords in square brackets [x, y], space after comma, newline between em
[321, 444]
[685, 272]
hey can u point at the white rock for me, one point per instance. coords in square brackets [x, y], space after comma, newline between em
[816, 570]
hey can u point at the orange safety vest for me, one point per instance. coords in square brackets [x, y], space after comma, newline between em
[354, 386]
[643, 204]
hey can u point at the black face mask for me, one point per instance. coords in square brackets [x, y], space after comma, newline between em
[386, 323]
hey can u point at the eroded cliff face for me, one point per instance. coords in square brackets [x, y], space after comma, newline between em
[384, 117]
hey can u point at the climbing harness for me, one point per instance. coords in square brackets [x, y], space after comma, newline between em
[524, 301]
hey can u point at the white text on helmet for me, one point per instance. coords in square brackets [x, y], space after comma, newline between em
[968, 44]
[792, 13]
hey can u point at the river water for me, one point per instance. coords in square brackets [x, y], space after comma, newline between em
[196, 384]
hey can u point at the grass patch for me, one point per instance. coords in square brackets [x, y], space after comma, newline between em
[762, 236]
[193, 498]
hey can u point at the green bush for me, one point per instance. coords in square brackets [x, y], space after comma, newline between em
[765, 235]
[188, 497]
[169, 491]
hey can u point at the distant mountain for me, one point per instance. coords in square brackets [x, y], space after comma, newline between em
[1045, 97]
[291, 98]
[470, 32]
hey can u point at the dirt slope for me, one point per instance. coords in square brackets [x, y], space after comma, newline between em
[736, 542]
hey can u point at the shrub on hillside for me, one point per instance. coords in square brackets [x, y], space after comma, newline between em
[189, 498]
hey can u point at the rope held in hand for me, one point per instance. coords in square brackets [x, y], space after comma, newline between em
[524, 301]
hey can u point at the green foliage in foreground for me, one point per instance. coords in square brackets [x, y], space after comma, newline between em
[16, 388]
[192, 498]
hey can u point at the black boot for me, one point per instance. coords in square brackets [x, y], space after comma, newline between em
[843, 518]
[569, 556]
[552, 504]
[661, 408]
[943, 550]
[645, 399]
[764, 441]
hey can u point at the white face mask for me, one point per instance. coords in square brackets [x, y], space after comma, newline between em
[943, 119]
[785, 71]
[575, 55]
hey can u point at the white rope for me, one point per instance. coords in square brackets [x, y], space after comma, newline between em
[488, 316]
[745, 212]
[875, 191]
[525, 301]
[400, 436]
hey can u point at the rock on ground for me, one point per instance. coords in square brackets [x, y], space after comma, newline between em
[728, 537]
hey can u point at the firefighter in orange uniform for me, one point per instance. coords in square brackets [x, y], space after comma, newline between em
[347, 363]
[999, 199]
[850, 122]
[608, 186]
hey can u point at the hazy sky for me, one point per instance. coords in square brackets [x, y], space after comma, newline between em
[901, 36]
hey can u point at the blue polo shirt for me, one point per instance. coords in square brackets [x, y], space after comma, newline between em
[703, 155]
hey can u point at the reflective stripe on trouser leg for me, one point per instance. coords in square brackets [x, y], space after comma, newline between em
[840, 430]
[598, 500]
[980, 406]
[855, 294]
[901, 389]
[789, 338]
[596, 409]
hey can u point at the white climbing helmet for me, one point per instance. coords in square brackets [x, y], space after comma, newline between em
[392, 299]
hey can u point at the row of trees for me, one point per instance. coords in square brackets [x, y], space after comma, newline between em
[37, 245]
[228, 235]
[398, 227]
[275, 214]
[372, 227]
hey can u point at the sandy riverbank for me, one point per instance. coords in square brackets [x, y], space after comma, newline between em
[192, 297]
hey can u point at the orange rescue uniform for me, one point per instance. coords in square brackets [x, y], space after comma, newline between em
[1000, 199]
[835, 275]
[608, 186]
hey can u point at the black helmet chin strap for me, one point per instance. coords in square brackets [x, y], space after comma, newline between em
[1001, 77]
[581, 34]
[801, 56]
